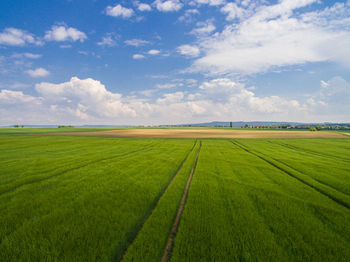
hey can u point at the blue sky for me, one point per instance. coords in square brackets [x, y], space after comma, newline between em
[174, 61]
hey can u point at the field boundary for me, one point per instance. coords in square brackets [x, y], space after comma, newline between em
[335, 199]
[201, 133]
[156, 204]
[172, 235]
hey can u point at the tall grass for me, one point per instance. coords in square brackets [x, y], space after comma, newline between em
[88, 209]
[240, 208]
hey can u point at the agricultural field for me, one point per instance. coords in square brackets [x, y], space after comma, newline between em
[96, 198]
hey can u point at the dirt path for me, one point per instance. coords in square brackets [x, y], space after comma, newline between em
[155, 206]
[204, 133]
[170, 243]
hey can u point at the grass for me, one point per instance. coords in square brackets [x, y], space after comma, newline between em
[80, 199]
[152, 238]
[36, 130]
[68, 198]
[240, 208]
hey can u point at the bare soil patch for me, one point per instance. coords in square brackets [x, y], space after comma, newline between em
[203, 133]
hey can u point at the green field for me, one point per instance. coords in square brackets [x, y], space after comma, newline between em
[68, 198]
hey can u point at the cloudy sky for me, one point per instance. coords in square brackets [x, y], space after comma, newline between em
[174, 61]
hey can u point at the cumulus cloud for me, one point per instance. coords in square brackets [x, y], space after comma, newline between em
[138, 56]
[208, 2]
[189, 50]
[39, 72]
[204, 28]
[119, 11]
[154, 52]
[62, 33]
[88, 101]
[107, 41]
[143, 7]
[233, 11]
[84, 98]
[188, 15]
[136, 42]
[17, 37]
[266, 37]
[166, 86]
[14, 97]
[26, 55]
[168, 5]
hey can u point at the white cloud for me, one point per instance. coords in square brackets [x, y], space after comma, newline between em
[39, 72]
[208, 2]
[107, 41]
[119, 10]
[83, 52]
[189, 50]
[204, 28]
[153, 52]
[168, 5]
[136, 42]
[17, 37]
[138, 56]
[143, 7]
[15, 97]
[188, 16]
[88, 101]
[166, 86]
[84, 98]
[62, 33]
[233, 11]
[276, 36]
[26, 55]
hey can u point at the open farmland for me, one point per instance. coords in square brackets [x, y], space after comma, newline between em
[202, 133]
[88, 198]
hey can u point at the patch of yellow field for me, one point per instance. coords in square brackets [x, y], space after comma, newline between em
[205, 133]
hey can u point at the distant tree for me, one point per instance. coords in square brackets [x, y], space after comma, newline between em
[16, 125]
[312, 128]
[285, 125]
[231, 124]
[318, 128]
[246, 125]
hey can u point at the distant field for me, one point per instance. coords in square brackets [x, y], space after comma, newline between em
[84, 198]
[30, 130]
[205, 133]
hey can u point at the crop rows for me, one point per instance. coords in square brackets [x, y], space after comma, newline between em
[91, 210]
[107, 199]
[242, 207]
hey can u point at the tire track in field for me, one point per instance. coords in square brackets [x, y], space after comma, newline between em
[170, 243]
[299, 149]
[321, 191]
[71, 169]
[134, 236]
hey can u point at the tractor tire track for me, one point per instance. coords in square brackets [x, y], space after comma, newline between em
[303, 150]
[72, 169]
[154, 206]
[170, 243]
[321, 191]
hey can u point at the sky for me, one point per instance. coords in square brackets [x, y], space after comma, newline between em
[103, 62]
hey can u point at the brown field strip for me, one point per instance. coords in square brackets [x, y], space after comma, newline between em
[203, 133]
